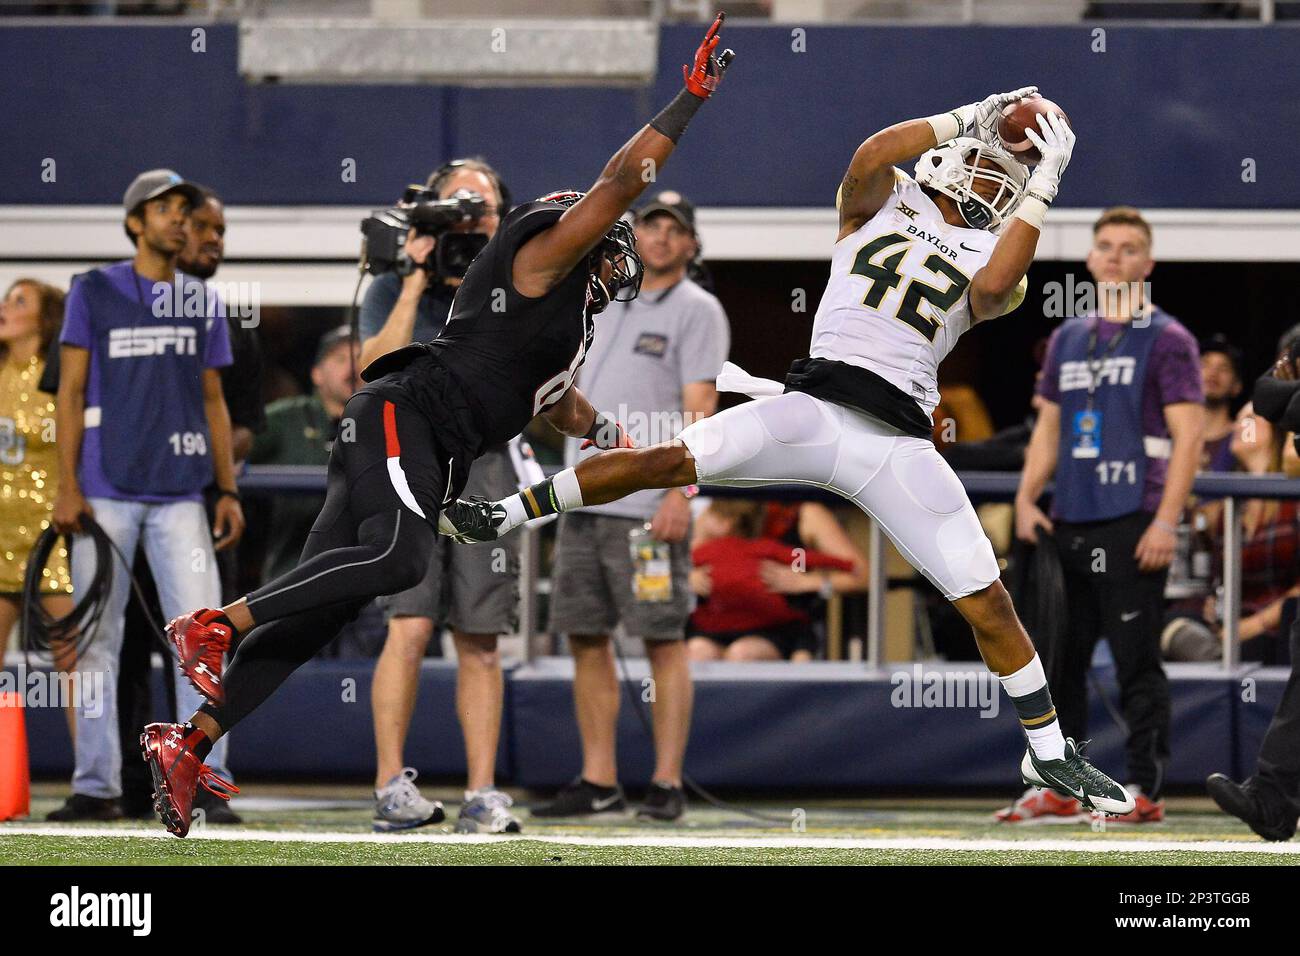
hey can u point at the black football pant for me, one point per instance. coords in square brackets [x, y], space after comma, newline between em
[374, 536]
[1279, 755]
[1108, 596]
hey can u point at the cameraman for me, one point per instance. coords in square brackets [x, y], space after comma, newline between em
[471, 588]
[1269, 802]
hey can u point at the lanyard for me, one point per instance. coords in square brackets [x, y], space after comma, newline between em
[1095, 362]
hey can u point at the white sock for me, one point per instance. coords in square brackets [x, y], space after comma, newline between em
[559, 494]
[1027, 689]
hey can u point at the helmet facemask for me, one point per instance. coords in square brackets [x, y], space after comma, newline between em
[954, 168]
[619, 247]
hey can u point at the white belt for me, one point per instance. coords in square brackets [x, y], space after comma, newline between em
[93, 416]
[1157, 447]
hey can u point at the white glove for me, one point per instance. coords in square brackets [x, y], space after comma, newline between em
[1056, 143]
[977, 119]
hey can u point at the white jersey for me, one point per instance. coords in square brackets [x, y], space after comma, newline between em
[897, 301]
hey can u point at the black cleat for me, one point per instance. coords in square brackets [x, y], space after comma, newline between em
[662, 802]
[475, 520]
[1267, 815]
[79, 807]
[583, 799]
[216, 810]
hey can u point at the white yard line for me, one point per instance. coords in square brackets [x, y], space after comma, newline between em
[683, 842]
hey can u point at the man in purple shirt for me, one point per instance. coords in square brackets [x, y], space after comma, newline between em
[142, 428]
[1120, 429]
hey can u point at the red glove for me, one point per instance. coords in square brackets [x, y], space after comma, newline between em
[703, 78]
[620, 438]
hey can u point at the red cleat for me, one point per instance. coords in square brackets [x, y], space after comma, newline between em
[1042, 806]
[1146, 810]
[200, 639]
[177, 772]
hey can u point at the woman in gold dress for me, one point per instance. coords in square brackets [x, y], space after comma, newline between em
[30, 316]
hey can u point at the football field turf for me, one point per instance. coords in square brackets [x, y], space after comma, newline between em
[330, 826]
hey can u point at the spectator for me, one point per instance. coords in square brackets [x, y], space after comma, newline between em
[1269, 554]
[30, 316]
[241, 380]
[657, 355]
[1221, 365]
[143, 428]
[753, 565]
[1121, 428]
[300, 431]
[1269, 801]
[474, 589]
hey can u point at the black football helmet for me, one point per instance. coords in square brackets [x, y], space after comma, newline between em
[619, 247]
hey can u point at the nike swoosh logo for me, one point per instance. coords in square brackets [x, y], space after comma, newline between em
[1129, 616]
[966, 247]
[605, 803]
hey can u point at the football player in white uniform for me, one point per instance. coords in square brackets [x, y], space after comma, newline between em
[917, 262]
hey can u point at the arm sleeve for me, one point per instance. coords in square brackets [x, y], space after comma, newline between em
[1176, 365]
[242, 382]
[705, 344]
[377, 304]
[76, 318]
[1049, 383]
[216, 350]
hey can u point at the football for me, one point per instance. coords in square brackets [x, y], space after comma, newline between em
[1015, 117]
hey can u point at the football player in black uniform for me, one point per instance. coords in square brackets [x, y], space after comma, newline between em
[519, 329]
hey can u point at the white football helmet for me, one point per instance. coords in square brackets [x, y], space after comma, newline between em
[953, 168]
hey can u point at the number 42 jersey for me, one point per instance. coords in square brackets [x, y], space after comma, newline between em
[896, 301]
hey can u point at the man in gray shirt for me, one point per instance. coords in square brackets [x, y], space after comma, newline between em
[651, 366]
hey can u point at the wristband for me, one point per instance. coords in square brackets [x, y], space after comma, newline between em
[1165, 525]
[227, 493]
[672, 119]
[1033, 210]
[946, 126]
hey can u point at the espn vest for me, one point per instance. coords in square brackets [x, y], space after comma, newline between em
[153, 427]
[1103, 477]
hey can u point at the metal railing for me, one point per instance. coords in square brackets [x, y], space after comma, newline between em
[1232, 489]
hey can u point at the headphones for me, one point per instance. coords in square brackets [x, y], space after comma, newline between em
[478, 164]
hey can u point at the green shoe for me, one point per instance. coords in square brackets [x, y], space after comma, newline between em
[1072, 776]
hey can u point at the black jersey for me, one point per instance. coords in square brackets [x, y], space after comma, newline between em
[513, 355]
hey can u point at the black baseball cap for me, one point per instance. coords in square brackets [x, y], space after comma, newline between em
[154, 183]
[672, 203]
[1219, 343]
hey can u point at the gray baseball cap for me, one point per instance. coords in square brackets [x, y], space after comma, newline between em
[155, 182]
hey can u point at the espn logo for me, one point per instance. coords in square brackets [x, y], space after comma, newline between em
[1114, 371]
[152, 340]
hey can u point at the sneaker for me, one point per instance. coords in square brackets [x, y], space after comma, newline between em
[200, 639]
[583, 799]
[471, 521]
[1146, 810]
[1072, 776]
[663, 802]
[1042, 806]
[487, 811]
[79, 807]
[216, 810]
[399, 806]
[1265, 813]
[177, 773]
